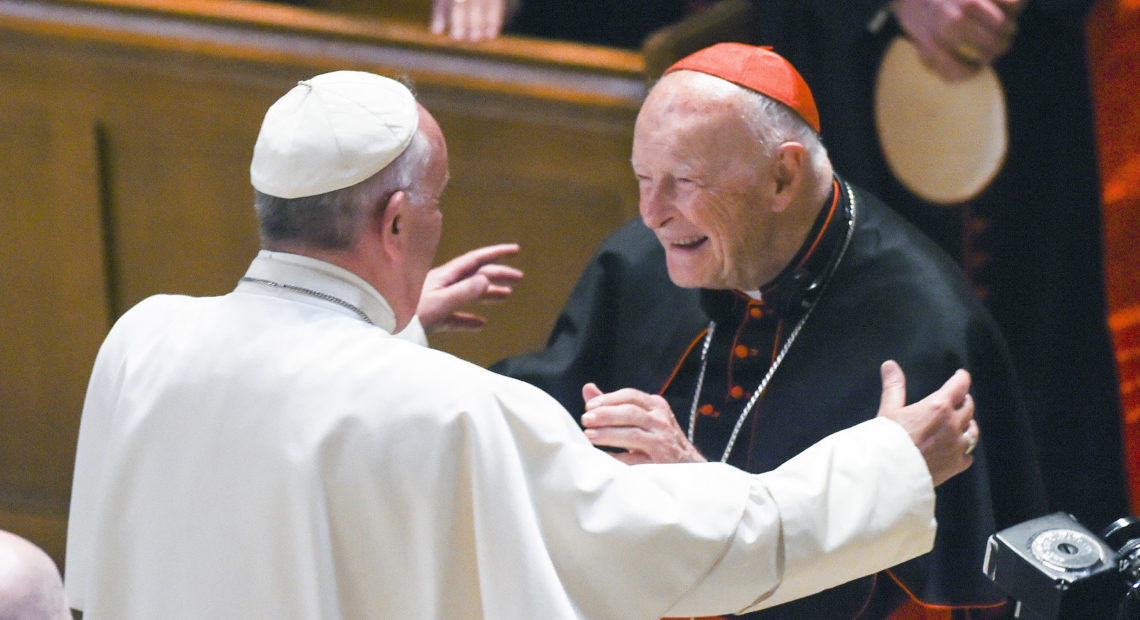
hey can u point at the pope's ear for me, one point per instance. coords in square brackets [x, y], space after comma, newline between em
[388, 216]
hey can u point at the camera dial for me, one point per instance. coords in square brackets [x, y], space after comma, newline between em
[1066, 549]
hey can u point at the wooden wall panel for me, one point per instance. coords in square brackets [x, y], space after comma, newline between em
[411, 11]
[52, 312]
[530, 183]
[126, 128]
[182, 205]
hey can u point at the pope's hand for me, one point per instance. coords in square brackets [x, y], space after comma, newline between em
[476, 276]
[642, 424]
[941, 425]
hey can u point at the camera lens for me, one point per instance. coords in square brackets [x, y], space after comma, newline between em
[1124, 536]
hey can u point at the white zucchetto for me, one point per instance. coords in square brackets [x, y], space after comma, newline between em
[331, 132]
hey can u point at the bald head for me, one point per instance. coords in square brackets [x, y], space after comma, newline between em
[30, 585]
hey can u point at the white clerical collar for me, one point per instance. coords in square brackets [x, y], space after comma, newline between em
[754, 294]
[297, 277]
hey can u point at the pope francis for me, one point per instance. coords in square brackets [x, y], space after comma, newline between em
[277, 452]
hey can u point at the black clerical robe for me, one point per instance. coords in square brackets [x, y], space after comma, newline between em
[1033, 242]
[892, 295]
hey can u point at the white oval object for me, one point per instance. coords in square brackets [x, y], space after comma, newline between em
[945, 141]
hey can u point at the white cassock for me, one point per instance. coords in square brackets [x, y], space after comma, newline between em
[269, 454]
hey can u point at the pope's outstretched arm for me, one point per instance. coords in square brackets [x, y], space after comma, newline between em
[855, 503]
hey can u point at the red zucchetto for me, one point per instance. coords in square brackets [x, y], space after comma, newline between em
[755, 68]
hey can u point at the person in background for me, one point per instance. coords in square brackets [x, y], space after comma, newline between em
[30, 585]
[1031, 241]
[277, 452]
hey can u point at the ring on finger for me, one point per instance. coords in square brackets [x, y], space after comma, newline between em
[972, 442]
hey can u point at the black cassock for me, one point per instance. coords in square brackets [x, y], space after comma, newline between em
[1034, 245]
[886, 293]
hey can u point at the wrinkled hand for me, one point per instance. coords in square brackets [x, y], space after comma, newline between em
[641, 423]
[956, 38]
[941, 425]
[471, 20]
[472, 277]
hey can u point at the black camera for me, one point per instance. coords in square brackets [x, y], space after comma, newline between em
[1055, 568]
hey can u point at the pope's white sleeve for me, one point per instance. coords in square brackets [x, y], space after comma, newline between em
[857, 502]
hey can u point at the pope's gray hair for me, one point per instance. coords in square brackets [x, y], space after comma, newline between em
[333, 220]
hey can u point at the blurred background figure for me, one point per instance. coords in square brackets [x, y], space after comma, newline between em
[30, 585]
